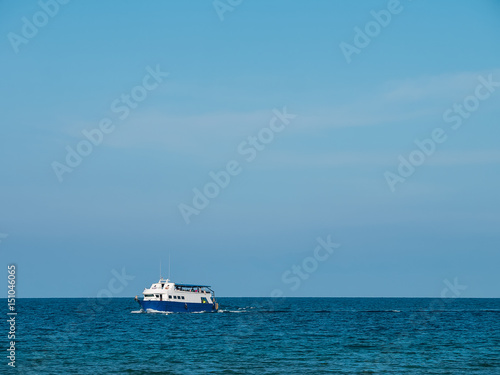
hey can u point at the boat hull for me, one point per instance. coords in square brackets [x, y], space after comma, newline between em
[170, 306]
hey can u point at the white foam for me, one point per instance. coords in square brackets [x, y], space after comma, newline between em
[153, 311]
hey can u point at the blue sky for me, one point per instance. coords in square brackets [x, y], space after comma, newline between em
[323, 175]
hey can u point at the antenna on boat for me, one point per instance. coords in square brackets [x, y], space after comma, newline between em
[160, 270]
[169, 265]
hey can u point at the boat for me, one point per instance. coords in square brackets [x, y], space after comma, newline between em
[167, 296]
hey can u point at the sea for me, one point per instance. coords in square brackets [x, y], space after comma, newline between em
[258, 336]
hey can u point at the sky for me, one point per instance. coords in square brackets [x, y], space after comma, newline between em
[318, 149]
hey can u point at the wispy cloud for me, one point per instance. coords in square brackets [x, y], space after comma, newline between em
[376, 159]
[451, 158]
[447, 86]
[392, 103]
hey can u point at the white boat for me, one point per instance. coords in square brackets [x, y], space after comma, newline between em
[166, 296]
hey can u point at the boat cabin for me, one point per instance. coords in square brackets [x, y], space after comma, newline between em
[165, 290]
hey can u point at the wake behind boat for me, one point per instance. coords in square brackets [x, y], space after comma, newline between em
[166, 296]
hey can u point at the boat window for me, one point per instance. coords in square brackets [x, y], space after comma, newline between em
[182, 297]
[170, 297]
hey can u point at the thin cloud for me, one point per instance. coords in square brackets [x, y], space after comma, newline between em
[395, 102]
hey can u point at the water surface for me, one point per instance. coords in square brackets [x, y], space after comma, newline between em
[260, 336]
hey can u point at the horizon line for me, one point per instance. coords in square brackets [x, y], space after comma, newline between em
[17, 298]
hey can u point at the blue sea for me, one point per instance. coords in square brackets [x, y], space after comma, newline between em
[259, 336]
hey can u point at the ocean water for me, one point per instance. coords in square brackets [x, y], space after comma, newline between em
[259, 336]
